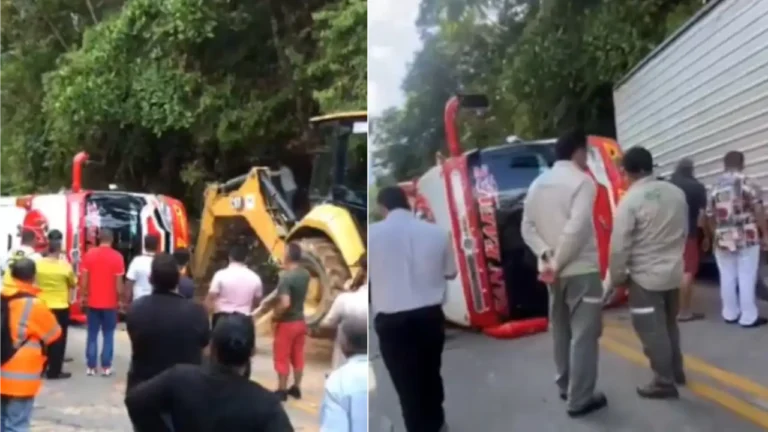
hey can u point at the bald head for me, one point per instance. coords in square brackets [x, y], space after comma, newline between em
[24, 270]
[354, 336]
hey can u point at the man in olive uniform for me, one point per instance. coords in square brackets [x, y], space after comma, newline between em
[651, 227]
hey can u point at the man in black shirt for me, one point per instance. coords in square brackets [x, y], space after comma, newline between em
[696, 198]
[186, 284]
[212, 398]
[165, 328]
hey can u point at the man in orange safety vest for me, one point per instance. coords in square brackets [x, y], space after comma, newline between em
[28, 326]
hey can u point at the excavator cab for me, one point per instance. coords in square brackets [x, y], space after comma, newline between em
[340, 171]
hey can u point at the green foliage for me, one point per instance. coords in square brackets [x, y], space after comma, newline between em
[342, 67]
[171, 94]
[545, 66]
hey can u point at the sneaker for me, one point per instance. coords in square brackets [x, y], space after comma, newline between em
[294, 392]
[90, 372]
[106, 372]
[282, 395]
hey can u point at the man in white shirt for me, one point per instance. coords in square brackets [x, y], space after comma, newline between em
[409, 262]
[138, 283]
[287, 182]
[352, 304]
[558, 227]
[25, 250]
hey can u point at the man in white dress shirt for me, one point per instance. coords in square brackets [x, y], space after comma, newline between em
[409, 262]
[558, 227]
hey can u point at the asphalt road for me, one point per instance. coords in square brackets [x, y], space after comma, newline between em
[95, 404]
[502, 386]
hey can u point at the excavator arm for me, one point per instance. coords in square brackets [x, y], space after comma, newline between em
[251, 197]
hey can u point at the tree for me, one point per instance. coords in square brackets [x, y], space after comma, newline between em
[546, 66]
[169, 95]
[342, 64]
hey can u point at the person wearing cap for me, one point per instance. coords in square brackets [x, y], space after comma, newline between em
[31, 327]
[56, 280]
[345, 403]
[165, 329]
[558, 227]
[650, 229]
[696, 198]
[212, 397]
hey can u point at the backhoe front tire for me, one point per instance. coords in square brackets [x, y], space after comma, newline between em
[324, 261]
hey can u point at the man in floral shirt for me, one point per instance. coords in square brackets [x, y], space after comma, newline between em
[735, 211]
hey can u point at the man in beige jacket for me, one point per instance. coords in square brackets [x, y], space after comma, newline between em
[558, 227]
[647, 243]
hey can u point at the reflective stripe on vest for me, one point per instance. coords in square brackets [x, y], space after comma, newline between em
[23, 322]
[21, 375]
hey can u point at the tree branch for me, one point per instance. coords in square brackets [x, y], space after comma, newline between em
[91, 10]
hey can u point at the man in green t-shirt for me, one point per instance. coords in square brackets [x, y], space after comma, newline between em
[290, 329]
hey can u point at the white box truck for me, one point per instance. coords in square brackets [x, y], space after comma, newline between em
[702, 93]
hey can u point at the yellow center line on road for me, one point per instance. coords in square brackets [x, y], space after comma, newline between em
[694, 364]
[307, 407]
[737, 406]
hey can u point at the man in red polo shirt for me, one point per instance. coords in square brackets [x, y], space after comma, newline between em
[102, 280]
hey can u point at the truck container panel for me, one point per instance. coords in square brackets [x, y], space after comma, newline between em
[702, 92]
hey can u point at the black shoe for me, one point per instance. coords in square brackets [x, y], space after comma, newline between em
[658, 391]
[598, 401]
[282, 395]
[680, 379]
[294, 392]
[58, 376]
[759, 322]
[735, 321]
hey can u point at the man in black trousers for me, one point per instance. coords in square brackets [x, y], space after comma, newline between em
[409, 262]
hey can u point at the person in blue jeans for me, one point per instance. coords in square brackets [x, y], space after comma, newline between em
[102, 321]
[16, 414]
[102, 279]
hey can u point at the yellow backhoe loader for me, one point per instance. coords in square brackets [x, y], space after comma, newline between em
[332, 232]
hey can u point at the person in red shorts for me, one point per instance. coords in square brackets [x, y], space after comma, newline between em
[696, 198]
[102, 273]
[290, 327]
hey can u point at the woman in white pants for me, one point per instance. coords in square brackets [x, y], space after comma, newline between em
[736, 213]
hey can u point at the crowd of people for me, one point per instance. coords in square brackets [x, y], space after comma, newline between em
[654, 253]
[660, 228]
[190, 361]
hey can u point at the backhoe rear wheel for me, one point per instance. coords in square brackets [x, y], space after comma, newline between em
[329, 273]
